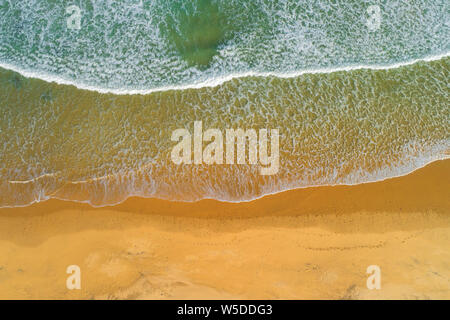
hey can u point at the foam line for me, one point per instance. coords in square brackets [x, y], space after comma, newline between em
[216, 81]
[139, 194]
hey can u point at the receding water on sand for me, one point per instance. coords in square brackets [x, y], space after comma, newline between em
[344, 127]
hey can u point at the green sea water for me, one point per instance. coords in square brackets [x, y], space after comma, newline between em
[146, 45]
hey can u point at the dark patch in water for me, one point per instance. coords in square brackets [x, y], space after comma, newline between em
[196, 30]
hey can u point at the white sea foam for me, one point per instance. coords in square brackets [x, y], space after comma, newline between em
[137, 48]
[215, 81]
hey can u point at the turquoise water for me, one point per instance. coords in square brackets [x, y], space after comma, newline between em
[132, 44]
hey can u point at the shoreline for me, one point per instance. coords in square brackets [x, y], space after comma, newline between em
[444, 157]
[307, 243]
[219, 202]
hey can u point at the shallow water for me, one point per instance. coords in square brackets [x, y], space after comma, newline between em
[345, 127]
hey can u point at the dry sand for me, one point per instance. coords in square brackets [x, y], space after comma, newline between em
[307, 243]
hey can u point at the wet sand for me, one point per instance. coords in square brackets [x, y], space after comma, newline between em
[313, 243]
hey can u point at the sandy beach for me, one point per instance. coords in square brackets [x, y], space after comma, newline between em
[313, 243]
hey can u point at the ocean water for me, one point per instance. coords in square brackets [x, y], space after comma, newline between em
[87, 114]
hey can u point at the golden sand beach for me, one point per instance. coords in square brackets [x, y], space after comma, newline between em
[313, 243]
